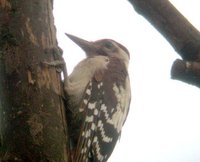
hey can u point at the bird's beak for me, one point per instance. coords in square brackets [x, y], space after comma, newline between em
[87, 46]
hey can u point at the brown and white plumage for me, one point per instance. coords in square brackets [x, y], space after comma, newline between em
[99, 92]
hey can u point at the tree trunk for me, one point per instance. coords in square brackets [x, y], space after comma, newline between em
[32, 117]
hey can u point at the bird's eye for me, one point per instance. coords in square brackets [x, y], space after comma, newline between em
[108, 45]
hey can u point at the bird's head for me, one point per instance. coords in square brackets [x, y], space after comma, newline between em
[105, 47]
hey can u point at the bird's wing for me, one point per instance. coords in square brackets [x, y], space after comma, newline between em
[105, 112]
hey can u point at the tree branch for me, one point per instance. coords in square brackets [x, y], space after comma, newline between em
[183, 36]
[186, 71]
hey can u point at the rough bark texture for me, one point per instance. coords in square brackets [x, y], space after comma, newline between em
[184, 38]
[32, 120]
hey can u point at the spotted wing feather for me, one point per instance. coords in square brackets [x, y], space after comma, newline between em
[105, 113]
[89, 108]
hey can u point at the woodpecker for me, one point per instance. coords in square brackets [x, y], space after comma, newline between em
[99, 97]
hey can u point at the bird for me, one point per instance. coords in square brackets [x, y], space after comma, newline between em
[99, 95]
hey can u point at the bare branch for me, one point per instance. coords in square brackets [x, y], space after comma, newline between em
[186, 71]
[184, 37]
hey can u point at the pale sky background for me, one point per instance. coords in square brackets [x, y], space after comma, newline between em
[164, 120]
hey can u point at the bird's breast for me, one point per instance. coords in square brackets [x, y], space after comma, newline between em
[82, 74]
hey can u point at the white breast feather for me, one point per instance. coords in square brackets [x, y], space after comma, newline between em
[82, 74]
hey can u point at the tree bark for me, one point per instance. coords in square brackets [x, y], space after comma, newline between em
[183, 37]
[32, 115]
